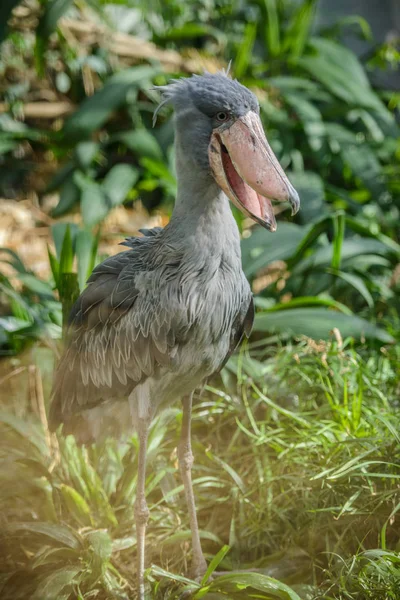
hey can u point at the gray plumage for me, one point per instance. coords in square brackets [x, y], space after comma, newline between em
[159, 318]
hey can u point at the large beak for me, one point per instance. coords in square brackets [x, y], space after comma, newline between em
[247, 170]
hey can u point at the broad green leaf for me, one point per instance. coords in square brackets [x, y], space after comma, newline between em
[53, 11]
[101, 544]
[310, 118]
[94, 204]
[52, 586]
[36, 285]
[6, 7]
[6, 145]
[57, 533]
[310, 188]
[142, 142]
[15, 261]
[364, 164]
[85, 153]
[94, 111]
[287, 83]
[357, 283]
[60, 177]
[274, 589]
[350, 248]
[76, 505]
[318, 323]
[118, 182]
[262, 248]
[12, 324]
[340, 71]
[69, 196]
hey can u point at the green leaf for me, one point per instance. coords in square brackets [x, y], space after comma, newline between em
[272, 35]
[85, 153]
[338, 68]
[69, 196]
[244, 52]
[118, 182]
[311, 120]
[351, 248]
[246, 581]
[298, 30]
[339, 223]
[15, 261]
[67, 253]
[53, 585]
[60, 177]
[85, 243]
[262, 248]
[142, 142]
[94, 205]
[310, 301]
[36, 285]
[192, 30]
[310, 188]
[54, 265]
[317, 323]
[217, 559]
[68, 289]
[77, 506]
[6, 145]
[58, 231]
[357, 283]
[364, 164]
[101, 544]
[53, 11]
[94, 111]
[57, 533]
[6, 7]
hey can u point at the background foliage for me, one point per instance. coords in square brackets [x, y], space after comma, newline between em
[76, 125]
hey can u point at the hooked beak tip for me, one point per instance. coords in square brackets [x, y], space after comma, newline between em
[294, 201]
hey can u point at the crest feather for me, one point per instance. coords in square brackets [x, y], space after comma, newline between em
[178, 86]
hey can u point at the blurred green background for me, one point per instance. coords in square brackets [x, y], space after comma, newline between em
[312, 401]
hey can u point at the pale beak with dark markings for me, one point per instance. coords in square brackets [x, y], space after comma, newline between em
[247, 170]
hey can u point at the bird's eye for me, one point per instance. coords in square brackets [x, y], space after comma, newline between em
[222, 116]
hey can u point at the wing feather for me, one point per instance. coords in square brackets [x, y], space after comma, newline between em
[116, 337]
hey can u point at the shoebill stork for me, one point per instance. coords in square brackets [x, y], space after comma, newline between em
[158, 319]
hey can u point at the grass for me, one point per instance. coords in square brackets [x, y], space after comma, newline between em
[296, 470]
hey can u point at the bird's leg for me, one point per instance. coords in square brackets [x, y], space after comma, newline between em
[141, 509]
[185, 457]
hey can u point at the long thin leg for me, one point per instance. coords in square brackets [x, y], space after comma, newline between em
[141, 509]
[185, 457]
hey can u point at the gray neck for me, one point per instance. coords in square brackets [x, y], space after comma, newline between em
[202, 212]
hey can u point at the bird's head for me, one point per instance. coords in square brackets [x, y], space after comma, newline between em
[218, 128]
